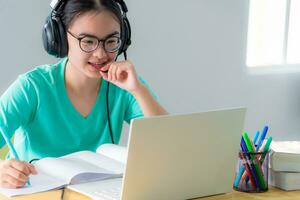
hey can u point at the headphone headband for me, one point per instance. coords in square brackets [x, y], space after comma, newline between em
[123, 5]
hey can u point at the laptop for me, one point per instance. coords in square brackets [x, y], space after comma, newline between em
[176, 157]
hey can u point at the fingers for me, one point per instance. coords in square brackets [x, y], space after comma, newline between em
[109, 73]
[115, 71]
[7, 185]
[20, 166]
[13, 182]
[14, 173]
[23, 167]
[112, 71]
[32, 169]
[120, 74]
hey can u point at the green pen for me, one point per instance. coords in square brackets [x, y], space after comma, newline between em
[267, 145]
[265, 149]
[253, 158]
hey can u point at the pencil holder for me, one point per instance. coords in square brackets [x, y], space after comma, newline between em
[252, 172]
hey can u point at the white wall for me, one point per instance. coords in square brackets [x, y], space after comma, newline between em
[20, 38]
[191, 52]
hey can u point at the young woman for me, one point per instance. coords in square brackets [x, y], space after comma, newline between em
[80, 102]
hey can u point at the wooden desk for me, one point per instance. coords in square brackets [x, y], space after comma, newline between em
[51, 195]
[272, 194]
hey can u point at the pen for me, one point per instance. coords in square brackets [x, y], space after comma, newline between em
[255, 163]
[265, 149]
[11, 148]
[256, 134]
[262, 137]
[240, 172]
[267, 145]
[250, 164]
[247, 173]
[241, 175]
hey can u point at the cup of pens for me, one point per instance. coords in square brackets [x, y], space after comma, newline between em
[253, 164]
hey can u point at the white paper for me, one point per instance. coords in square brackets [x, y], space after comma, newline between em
[69, 166]
[39, 183]
[286, 146]
[116, 152]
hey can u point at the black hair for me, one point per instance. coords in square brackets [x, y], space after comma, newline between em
[74, 8]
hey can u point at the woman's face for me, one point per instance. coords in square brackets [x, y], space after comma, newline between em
[99, 25]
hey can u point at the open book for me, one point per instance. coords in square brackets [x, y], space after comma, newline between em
[79, 167]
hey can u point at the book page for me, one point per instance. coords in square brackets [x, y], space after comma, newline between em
[39, 183]
[116, 152]
[73, 166]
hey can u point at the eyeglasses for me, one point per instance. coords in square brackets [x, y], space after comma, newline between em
[89, 44]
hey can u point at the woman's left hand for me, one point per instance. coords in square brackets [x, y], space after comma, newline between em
[121, 74]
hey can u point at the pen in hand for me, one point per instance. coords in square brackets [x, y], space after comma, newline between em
[14, 153]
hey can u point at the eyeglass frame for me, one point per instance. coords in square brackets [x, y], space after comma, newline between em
[100, 41]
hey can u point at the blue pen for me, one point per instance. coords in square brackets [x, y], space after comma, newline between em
[262, 137]
[256, 134]
[239, 175]
[11, 148]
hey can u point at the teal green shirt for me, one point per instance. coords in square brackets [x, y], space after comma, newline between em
[37, 109]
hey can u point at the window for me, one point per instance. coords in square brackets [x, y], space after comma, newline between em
[273, 33]
[293, 49]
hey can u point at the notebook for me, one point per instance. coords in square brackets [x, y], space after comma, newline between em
[79, 167]
[176, 157]
[285, 156]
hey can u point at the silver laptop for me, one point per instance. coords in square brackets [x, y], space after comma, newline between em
[176, 157]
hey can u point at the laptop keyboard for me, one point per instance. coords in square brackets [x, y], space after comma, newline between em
[111, 193]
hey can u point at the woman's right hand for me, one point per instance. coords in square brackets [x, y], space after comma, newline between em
[15, 173]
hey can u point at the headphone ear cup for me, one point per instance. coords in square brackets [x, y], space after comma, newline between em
[54, 37]
[62, 39]
[48, 37]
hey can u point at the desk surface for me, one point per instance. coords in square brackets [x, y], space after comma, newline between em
[272, 194]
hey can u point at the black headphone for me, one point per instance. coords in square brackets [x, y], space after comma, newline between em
[55, 36]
